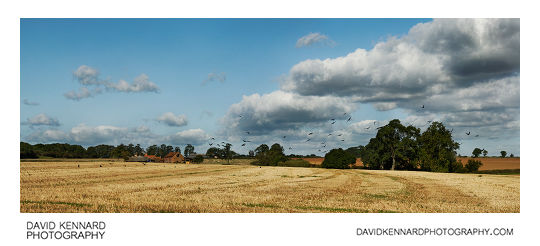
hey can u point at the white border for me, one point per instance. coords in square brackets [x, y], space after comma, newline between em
[269, 229]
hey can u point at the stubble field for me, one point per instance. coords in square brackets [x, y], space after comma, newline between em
[49, 187]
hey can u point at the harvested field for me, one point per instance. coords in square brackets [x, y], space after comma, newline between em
[494, 163]
[489, 163]
[49, 187]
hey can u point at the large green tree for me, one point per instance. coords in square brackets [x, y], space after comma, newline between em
[396, 143]
[338, 158]
[438, 149]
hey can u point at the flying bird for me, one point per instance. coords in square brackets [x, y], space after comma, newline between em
[477, 135]
[339, 135]
[310, 133]
[468, 133]
[247, 132]
[422, 106]
[290, 147]
[284, 136]
[308, 139]
[210, 144]
[246, 141]
[333, 122]
[330, 134]
[349, 119]
[429, 121]
[333, 119]
[243, 144]
[367, 128]
[342, 140]
[213, 138]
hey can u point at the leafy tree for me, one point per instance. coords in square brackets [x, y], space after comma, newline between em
[198, 159]
[189, 149]
[251, 153]
[177, 149]
[227, 152]
[276, 154]
[261, 153]
[394, 146]
[512, 155]
[27, 151]
[473, 165]
[484, 152]
[214, 151]
[152, 150]
[438, 149]
[476, 152]
[138, 150]
[503, 154]
[338, 158]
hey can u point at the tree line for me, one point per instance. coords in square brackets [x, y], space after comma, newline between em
[64, 150]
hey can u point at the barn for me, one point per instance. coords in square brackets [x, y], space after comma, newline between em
[173, 157]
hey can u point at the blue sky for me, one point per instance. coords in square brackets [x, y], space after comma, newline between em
[198, 75]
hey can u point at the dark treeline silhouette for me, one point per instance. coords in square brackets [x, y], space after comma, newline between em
[64, 150]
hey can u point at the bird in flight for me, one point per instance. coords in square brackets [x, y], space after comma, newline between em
[477, 136]
[290, 147]
[349, 119]
[308, 139]
[333, 122]
[246, 141]
[330, 134]
[244, 144]
[284, 136]
[429, 121]
[210, 144]
[339, 135]
[367, 128]
[247, 132]
[333, 119]
[213, 138]
[342, 140]
[468, 133]
[310, 133]
[422, 106]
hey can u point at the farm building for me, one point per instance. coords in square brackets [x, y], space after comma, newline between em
[138, 159]
[153, 158]
[173, 157]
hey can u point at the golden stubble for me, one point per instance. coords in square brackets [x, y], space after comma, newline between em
[213, 188]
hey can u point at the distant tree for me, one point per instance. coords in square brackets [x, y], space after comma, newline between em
[356, 151]
[27, 151]
[131, 149]
[261, 153]
[276, 155]
[138, 150]
[214, 151]
[189, 149]
[438, 149]
[177, 149]
[198, 159]
[503, 154]
[484, 152]
[338, 158]
[152, 150]
[251, 153]
[227, 152]
[512, 155]
[473, 165]
[476, 152]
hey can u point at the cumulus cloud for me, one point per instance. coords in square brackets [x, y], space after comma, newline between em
[96, 134]
[313, 38]
[191, 136]
[173, 120]
[140, 84]
[221, 77]
[82, 93]
[41, 120]
[88, 76]
[48, 136]
[29, 103]
[284, 110]
[433, 58]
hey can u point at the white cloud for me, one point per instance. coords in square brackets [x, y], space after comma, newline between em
[141, 84]
[42, 120]
[313, 38]
[86, 75]
[173, 120]
[96, 134]
[282, 110]
[191, 136]
[82, 93]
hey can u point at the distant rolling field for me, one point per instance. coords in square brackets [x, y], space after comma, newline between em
[132, 187]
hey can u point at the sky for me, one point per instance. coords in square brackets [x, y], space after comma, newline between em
[254, 81]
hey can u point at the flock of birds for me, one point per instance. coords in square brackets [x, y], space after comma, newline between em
[312, 136]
